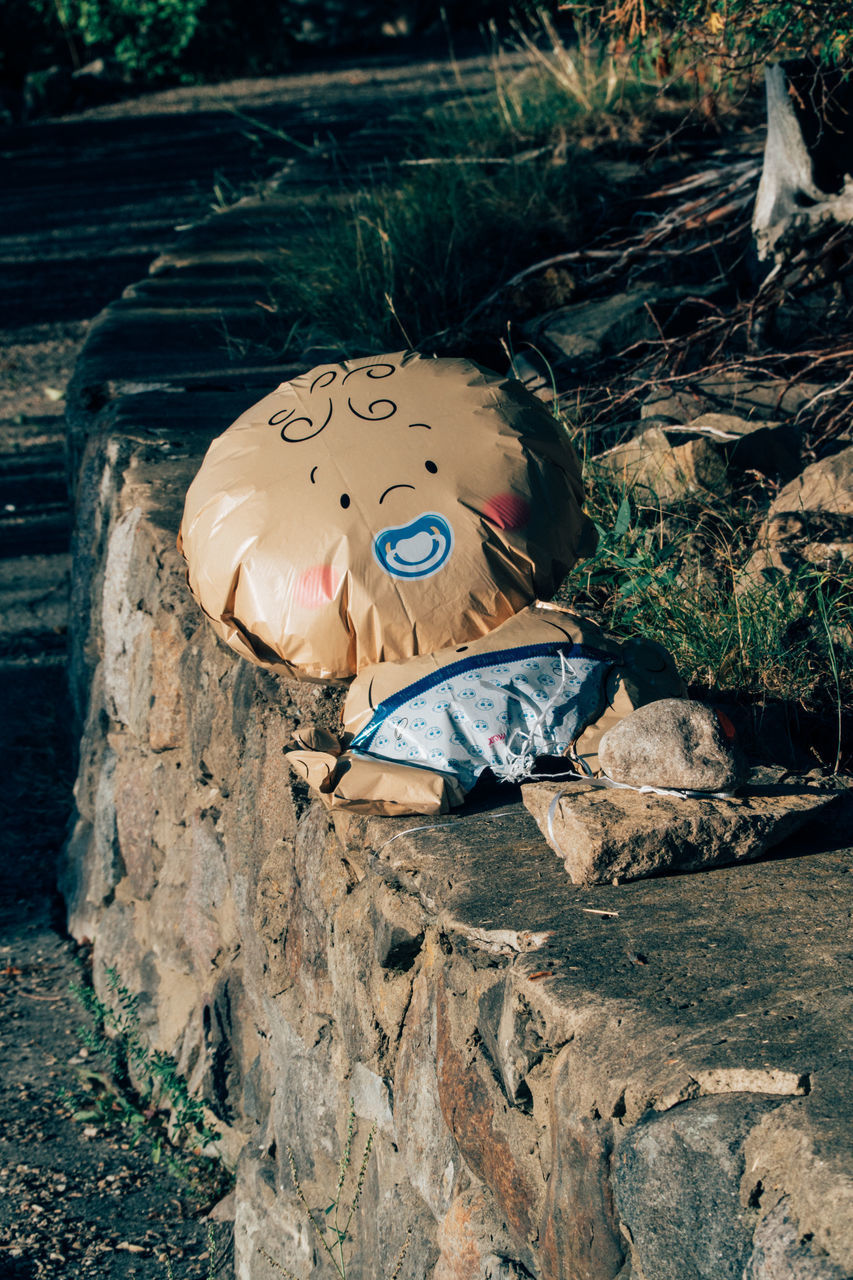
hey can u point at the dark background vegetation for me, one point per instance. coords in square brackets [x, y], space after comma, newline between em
[189, 40]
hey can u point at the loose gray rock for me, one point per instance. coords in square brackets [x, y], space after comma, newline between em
[727, 393]
[673, 743]
[770, 448]
[589, 330]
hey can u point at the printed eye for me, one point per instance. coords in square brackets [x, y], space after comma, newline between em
[431, 467]
[345, 500]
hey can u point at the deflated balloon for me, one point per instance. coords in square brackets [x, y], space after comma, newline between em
[380, 508]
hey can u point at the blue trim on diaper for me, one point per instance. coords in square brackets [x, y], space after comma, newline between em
[363, 738]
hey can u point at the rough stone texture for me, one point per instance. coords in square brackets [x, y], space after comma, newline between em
[514, 1037]
[729, 393]
[797, 1147]
[771, 448]
[672, 743]
[663, 472]
[677, 1179]
[809, 523]
[741, 444]
[580, 1227]
[781, 1253]
[583, 332]
[607, 834]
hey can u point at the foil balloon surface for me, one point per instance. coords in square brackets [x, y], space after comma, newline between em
[378, 509]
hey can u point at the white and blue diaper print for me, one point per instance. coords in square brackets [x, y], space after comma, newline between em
[494, 710]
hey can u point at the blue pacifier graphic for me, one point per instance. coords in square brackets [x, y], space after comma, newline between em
[414, 550]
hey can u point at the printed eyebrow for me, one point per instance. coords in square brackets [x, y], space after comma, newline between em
[394, 486]
[313, 469]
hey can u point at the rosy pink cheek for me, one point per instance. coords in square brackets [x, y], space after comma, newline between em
[507, 511]
[317, 586]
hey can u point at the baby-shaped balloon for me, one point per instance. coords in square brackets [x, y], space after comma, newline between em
[393, 520]
[381, 508]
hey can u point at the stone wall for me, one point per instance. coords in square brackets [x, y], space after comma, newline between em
[642, 1080]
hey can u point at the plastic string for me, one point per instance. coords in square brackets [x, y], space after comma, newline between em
[437, 826]
[606, 782]
[521, 761]
[521, 765]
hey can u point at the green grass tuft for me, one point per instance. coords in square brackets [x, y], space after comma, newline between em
[406, 262]
[676, 575]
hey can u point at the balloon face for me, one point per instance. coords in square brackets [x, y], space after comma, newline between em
[380, 508]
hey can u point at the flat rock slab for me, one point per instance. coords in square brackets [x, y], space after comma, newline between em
[608, 834]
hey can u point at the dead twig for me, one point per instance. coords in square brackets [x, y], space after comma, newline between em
[521, 158]
[692, 215]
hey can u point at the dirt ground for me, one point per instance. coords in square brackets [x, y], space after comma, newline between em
[35, 365]
[76, 1199]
